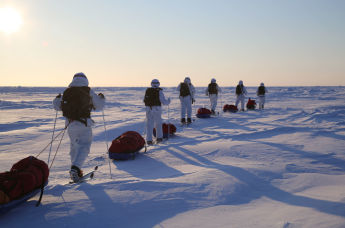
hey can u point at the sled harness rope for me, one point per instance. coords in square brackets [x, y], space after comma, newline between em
[51, 164]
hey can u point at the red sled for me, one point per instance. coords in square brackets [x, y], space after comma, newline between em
[251, 104]
[230, 108]
[126, 146]
[168, 130]
[203, 113]
[25, 179]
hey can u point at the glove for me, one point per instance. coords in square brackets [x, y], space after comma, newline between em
[101, 95]
[58, 96]
[193, 101]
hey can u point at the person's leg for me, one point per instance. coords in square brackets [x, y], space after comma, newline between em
[183, 109]
[149, 125]
[158, 122]
[188, 102]
[260, 102]
[81, 139]
[242, 102]
[237, 100]
[213, 99]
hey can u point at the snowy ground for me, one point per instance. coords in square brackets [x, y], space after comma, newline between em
[280, 167]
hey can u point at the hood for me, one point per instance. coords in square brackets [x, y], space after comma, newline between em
[79, 82]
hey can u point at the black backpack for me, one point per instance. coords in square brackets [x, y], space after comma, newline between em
[239, 89]
[212, 88]
[76, 103]
[152, 97]
[184, 89]
[261, 90]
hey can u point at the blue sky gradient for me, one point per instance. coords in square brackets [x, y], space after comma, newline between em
[130, 42]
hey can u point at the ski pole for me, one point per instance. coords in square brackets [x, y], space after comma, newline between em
[58, 147]
[50, 149]
[106, 142]
[221, 102]
[145, 122]
[49, 168]
[55, 137]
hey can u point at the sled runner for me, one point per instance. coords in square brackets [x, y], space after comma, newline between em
[126, 146]
[14, 203]
[251, 104]
[203, 113]
[230, 108]
[168, 130]
[25, 179]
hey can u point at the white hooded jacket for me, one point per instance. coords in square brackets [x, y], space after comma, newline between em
[79, 133]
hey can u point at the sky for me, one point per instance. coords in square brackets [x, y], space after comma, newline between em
[131, 42]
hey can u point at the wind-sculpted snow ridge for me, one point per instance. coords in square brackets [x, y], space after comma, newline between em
[282, 167]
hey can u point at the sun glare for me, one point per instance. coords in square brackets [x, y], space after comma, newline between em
[10, 20]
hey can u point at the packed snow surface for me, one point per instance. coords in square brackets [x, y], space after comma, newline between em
[283, 166]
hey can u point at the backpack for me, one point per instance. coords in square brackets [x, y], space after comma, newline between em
[184, 89]
[152, 97]
[230, 108]
[239, 89]
[251, 104]
[212, 88]
[76, 103]
[168, 130]
[25, 176]
[261, 90]
[203, 113]
[126, 146]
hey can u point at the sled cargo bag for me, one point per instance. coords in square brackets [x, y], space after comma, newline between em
[251, 104]
[168, 130]
[203, 113]
[126, 146]
[23, 181]
[230, 108]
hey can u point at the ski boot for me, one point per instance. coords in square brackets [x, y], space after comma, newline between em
[75, 173]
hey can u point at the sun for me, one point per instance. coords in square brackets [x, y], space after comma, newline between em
[10, 20]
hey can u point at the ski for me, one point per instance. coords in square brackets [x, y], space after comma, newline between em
[85, 177]
[187, 124]
[155, 143]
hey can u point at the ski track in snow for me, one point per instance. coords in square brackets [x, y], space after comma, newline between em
[280, 167]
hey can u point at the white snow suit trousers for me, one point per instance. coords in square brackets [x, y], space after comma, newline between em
[240, 98]
[153, 120]
[213, 100]
[81, 139]
[261, 101]
[186, 105]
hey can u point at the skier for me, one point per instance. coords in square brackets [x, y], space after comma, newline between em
[240, 94]
[154, 98]
[212, 91]
[76, 103]
[187, 92]
[261, 93]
